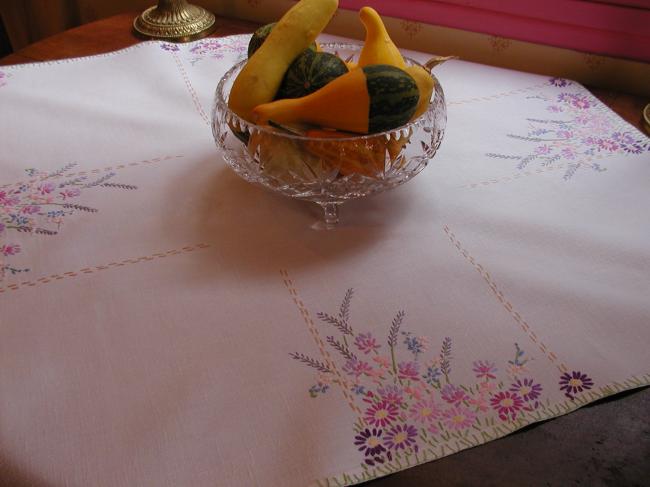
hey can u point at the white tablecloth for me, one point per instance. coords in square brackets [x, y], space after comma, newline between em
[164, 323]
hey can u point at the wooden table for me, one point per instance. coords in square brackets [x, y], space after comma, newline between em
[605, 443]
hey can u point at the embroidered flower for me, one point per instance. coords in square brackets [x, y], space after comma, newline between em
[543, 149]
[358, 389]
[458, 418]
[424, 411]
[608, 145]
[30, 209]
[7, 199]
[507, 404]
[453, 395]
[381, 414]
[317, 389]
[526, 389]
[416, 345]
[70, 193]
[432, 376]
[357, 367]
[574, 383]
[366, 343]
[560, 82]
[581, 102]
[10, 249]
[392, 394]
[408, 370]
[401, 437]
[484, 369]
[383, 362]
[166, 46]
[369, 441]
[46, 188]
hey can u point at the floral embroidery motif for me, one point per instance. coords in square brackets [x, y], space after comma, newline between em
[40, 206]
[3, 78]
[407, 404]
[168, 46]
[581, 129]
[215, 48]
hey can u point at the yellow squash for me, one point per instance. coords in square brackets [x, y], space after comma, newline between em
[378, 48]
[260, 78]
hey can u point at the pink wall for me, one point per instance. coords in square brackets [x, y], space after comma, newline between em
[619, 28]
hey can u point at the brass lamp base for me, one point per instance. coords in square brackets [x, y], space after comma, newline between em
[175, 21]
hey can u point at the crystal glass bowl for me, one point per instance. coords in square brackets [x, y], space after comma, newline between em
[326, 171]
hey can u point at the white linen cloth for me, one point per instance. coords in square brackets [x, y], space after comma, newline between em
[164, 323]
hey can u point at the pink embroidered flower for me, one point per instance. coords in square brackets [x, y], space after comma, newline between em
[515, 370]
[30, 209]
[480, 402]
[382, 361]
[453, 395]
[486, 387]
[415, 391]
[391, 394]
[46, 188]
[484, 369]
[580, 102]
[555, 108]
[357, 367]
[381, 414]
[507, 404]
[70, 193]
[366, 343]
[458, 418]
[7, 199]
[408, 370]
[424, 411]
[564, 134]
[543, 149]
[10, 249]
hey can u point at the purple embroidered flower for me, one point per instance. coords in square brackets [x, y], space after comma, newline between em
[453, 395]
[356, 367]
[484, 369]
[564, 134]
[560, 82]
[424, 411]
[623, 138]
[358, 389]
[408, 370]
[10, 249]
[169, 47]
[565, 97]
[401, 436]
[543, 149]
[432, 376]
[574, 383]
[369, 442]
[2, 227]
[381, 414]
[568, 153]
[391, 394]
[415, 344]
[317, 389]
[366, 343]
[608, 145]
[526, 389]
[458, 418]
[555, 108]
[507, 404]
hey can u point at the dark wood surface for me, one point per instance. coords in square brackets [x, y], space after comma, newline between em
[604, 444]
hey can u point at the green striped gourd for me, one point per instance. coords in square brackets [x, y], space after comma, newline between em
[310, 72]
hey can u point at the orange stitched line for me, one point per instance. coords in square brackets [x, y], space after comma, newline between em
[88, 270]
[319, 341]
[190, 88]
[506, 304]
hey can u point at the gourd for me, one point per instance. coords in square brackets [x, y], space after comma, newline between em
[366, 100]
[310, 72]
[425, 84]
[260, 78]
[378, 48]
[260, 35]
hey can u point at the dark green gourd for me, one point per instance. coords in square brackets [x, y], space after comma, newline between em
[393, 95]
[260, 35]
[309, 72]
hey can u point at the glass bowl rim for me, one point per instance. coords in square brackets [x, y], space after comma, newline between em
[222, 105]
